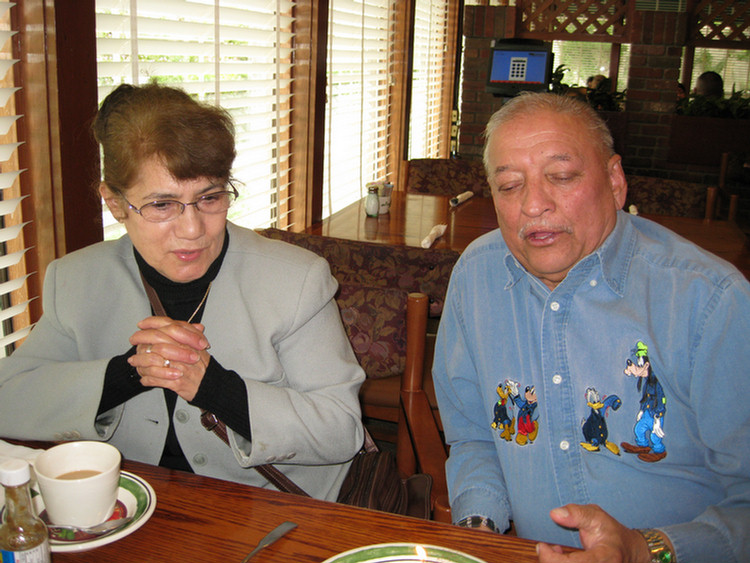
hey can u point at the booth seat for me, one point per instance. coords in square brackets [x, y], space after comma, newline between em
[380, 265]
[664, 196]
[446, 176]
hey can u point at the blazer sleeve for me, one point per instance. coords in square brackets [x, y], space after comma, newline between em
[309, 413]
[49, 389]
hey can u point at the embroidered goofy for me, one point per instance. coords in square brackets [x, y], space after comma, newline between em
[649, 426]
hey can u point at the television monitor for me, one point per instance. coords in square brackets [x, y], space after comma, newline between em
[518, 65]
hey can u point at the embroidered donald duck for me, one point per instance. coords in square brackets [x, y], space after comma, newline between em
[595, 425]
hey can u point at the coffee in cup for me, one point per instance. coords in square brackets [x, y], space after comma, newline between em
[79, 482]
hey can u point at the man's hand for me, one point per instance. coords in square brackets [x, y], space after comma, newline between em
[603, 538]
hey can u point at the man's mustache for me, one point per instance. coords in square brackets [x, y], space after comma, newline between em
[529, 228]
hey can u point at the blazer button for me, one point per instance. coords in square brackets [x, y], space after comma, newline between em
[271, 459]
[200, 459]
[182, 416]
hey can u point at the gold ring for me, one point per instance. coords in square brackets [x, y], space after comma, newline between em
[148, 348]
[166, 363]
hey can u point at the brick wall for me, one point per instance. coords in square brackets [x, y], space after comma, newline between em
[651, 95]
[481, 25]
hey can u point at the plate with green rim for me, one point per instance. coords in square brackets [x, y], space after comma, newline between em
[403, 553]
[135, 498]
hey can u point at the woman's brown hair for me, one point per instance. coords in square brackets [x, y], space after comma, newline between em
[136, 123]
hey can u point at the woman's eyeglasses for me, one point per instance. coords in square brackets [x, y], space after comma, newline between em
[169, 209]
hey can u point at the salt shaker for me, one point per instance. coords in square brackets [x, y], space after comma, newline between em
[372, 202]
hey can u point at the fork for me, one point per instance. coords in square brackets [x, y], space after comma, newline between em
[271, 537]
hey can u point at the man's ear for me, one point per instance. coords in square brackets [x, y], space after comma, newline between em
[115, 204]
[617, 180]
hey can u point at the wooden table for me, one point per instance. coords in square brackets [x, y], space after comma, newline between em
[411, 218]
[413, 215]
[210, 520]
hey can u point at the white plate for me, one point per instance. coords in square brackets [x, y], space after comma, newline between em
[135, 498]
[402, 553]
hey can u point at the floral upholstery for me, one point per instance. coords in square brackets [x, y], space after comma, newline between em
[446, 176]
[380, 265]
[663, 196]
[375, 322]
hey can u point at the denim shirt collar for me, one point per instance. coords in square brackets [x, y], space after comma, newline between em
[613, 258]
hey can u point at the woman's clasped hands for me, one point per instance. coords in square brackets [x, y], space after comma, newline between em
[170, 354]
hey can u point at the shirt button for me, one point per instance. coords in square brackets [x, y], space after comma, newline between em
[564, 445]
[557, 379]
[554, 306]
[592, 283]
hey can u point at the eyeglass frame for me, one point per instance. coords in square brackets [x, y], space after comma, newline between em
[235, 194]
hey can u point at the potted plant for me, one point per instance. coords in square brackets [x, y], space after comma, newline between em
[705, 127]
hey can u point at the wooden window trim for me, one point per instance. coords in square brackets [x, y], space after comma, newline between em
[58, 153]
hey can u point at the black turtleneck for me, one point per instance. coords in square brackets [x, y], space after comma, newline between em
[221, 391]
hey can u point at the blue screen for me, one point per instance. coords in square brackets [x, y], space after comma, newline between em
[519, 67]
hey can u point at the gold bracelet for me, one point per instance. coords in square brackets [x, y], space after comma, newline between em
[657, 547]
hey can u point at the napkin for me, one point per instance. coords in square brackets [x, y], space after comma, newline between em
[436, 232]
[9, 451]
[460, 198]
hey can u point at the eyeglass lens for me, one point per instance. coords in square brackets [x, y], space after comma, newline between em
[166, 210]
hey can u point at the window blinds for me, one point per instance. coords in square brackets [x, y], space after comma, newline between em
[428, 114]
[14, 299]
[235, 53]
[732, 64]
[357, 104]
[586, 58]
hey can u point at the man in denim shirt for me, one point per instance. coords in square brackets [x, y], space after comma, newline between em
[591, 366]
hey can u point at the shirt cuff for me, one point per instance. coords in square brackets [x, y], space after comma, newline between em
[482, 502]
[121, 383]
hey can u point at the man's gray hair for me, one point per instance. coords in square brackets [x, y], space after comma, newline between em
[529, 102]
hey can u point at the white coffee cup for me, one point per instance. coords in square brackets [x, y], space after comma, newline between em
[79, 482]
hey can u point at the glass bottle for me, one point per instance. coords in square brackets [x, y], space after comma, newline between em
[23, 535]
[372, 202]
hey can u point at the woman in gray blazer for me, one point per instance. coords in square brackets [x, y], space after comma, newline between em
[239, 329]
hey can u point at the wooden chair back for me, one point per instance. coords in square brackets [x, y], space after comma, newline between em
[420, 446]
[721, 201]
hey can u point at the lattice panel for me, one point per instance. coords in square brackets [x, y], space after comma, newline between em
[605, 20]
[722, 20]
